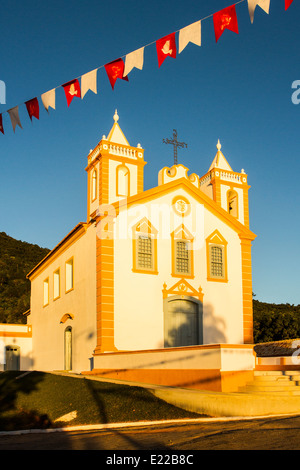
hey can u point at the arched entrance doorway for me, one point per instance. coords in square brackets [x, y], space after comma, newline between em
[183, 321]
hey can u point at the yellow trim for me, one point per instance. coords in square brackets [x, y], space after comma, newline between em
[68, 262]
[105, 296]
[246, 206]
[117, 180]
[121, 158]
[182, 287]
[66, 316]
[186, 201]
[57, 271]
[216, 239]
[182, 234]
[144, 226]
[247, 290]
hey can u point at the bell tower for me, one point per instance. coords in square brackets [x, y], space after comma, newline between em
[227, 188]
[115, 170]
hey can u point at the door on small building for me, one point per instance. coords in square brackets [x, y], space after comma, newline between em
[182, 322]
[12, 358]
[68, 348]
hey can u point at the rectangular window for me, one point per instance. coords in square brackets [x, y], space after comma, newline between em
[183, 257]
[46, 292]
[217, 261]
[56, 284]
[69, 275]
[144, 252]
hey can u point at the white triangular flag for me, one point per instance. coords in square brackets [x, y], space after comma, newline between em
[89, 82]
[134, 59]
[191, 33]
[48, 99]
[264, 4]
[14, 117]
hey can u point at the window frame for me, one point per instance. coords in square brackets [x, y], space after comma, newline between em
[72, 264]
[56, 273]
[46, 282]
[216, 240]
[144, 228]
[181, 234]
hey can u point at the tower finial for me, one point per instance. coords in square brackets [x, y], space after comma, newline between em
[116, 117]
[218, 145]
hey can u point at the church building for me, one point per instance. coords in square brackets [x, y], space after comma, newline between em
[155, 282]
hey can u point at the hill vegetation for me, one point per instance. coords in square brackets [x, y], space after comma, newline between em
[275, 322]
[17, 258]
[272, 322]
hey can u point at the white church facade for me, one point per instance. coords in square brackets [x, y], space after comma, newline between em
[153, 281]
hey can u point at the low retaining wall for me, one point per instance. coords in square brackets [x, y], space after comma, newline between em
[215, 367]
[278, 363]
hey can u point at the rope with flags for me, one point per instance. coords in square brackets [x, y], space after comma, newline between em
[121, 67]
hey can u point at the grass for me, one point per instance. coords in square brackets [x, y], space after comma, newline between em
[40, 400]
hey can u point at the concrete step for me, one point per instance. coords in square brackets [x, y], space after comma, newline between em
[276, 373]
[272, 378]
[276, 383]
[286, 393]
[272, 387]
[268, 372]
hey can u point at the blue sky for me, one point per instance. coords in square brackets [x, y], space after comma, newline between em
[237, 90]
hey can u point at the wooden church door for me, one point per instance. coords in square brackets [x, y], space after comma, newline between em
[182, 323]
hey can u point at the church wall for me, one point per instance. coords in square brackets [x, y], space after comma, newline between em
[80, 303]
[223, 301]
[139, 311]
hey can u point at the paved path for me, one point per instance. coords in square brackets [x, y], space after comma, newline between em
[276, 433]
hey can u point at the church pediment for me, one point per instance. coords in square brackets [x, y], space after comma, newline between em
[182, 287]
[176, 172]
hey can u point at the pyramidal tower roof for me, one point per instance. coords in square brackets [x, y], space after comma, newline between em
[116, 135]
[220, 161]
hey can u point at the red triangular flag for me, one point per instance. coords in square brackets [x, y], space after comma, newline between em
[288, 3]
[1, 124]
[165, 47]
[33, 108]
[115, 70]
[225, 19]
[72, 89]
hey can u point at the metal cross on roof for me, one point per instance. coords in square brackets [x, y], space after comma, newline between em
[176, 144]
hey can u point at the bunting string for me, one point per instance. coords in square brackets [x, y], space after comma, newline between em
[121, 67]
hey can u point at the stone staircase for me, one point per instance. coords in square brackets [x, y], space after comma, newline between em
[278, 383]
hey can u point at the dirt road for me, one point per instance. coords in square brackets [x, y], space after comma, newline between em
[280, 433]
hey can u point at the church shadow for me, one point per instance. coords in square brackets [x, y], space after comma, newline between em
[210, 329]
[12, 416]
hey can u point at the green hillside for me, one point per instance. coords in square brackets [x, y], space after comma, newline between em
[17, 258]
